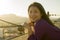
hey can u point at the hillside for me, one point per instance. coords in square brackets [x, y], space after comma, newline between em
[14, 19]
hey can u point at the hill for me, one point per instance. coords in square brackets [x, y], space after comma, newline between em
[14, 18]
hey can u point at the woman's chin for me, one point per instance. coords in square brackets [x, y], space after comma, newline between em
[33, 20]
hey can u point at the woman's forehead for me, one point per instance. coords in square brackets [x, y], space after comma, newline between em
[33, 7]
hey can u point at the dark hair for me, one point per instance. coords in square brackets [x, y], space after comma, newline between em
[42, 10]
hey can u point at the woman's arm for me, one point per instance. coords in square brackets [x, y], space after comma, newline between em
[40, 33]
[40, 30]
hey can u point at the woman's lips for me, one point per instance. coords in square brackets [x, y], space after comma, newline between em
[33, 18]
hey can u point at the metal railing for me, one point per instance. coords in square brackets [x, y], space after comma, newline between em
[8, 32]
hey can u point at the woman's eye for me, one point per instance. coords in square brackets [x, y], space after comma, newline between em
[30, 11]
[35, 11]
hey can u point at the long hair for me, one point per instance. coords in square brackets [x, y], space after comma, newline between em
[42, 10]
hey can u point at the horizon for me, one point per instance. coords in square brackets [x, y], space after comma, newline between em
[19, 7]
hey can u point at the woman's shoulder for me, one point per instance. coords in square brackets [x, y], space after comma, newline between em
[41, 22]
[44, 24]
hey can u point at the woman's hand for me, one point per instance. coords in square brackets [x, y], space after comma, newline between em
[28, 26]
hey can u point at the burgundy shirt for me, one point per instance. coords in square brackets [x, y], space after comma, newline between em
[45, 31]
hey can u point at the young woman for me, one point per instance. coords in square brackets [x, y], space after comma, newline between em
[42, 28]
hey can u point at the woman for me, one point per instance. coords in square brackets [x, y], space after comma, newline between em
[43, 28]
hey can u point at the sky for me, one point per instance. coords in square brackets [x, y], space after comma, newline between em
[19, 7]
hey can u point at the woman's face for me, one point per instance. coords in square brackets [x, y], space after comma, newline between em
[34, 14]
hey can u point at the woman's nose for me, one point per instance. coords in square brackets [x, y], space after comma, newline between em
[32, 14]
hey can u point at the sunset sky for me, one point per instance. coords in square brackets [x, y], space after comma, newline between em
[19, 7]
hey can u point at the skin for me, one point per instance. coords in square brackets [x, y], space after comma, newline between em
[34, 14]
